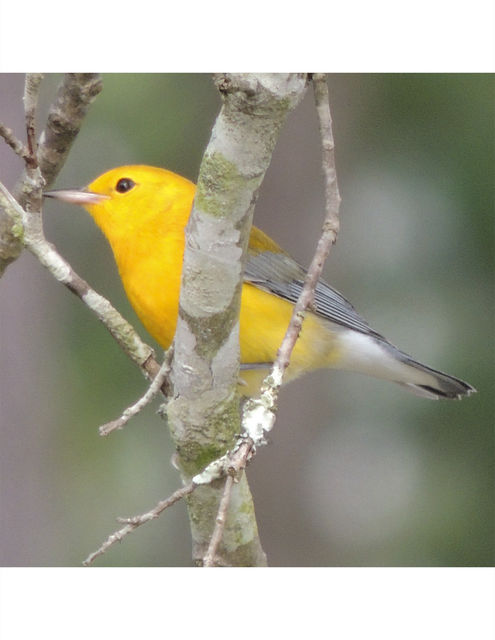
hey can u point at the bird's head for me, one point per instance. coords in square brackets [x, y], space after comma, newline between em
[127, 198]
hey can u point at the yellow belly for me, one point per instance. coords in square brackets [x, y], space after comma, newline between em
[263, 322]
[264, 319]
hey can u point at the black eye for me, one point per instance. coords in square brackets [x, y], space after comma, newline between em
[124, 185]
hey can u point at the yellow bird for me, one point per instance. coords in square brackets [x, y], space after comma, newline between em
[143, 212]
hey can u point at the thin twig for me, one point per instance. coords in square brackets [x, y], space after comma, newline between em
[332, 195]
[14, 143]
[216, 537]
[235, 463]
[329, 230]
[31, 92]
[137, 521]
[133, 410]
[259, 414]
[34, 182]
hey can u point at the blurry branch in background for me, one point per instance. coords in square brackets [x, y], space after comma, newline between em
[75, 94]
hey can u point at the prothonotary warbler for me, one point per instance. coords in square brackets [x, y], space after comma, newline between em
[143, 212]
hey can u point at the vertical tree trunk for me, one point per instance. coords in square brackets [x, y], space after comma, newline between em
[204, 413]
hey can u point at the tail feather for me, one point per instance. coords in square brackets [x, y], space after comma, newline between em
[437, 384]
[379, 358]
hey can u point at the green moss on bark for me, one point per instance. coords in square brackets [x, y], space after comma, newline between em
[221, 186]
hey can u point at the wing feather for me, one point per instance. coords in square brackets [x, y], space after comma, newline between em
[279, 274]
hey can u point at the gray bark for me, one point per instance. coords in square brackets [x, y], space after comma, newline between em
[204, 413]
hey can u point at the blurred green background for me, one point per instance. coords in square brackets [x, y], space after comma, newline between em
[359, 472]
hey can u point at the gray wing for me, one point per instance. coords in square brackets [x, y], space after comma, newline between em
[279, 274]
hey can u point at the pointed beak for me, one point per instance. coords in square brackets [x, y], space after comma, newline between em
[76, 196]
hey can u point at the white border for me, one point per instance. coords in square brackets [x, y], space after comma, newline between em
[430, 604]
[358, 36]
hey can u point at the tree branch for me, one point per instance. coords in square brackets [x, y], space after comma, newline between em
[210, 558]
[20, 213]
[14, 143]
[158, 381]
[75, 95]
[31, 93]
[136, 521]
[231, 467]
[236, 462]
[204, 412]
[65, 117]
[26, 225]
